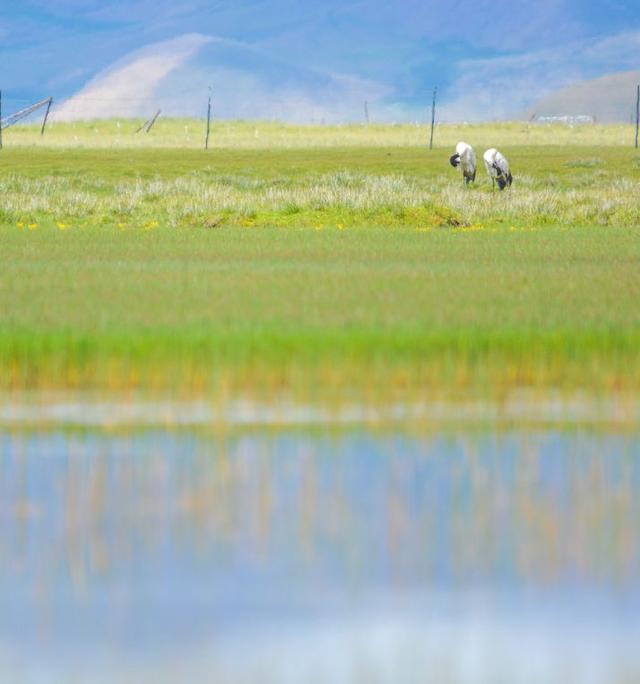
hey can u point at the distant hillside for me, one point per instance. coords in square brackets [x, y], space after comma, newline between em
[176, 76]
[610, 99]
[305, 61]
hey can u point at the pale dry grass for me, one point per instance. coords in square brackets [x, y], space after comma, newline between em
[190, 133]
[358, 197]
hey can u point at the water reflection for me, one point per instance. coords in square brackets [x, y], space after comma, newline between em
[311, 557]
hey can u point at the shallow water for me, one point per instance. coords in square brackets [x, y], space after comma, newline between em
[305, 556]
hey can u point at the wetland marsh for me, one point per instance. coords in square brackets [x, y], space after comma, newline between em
[304, 408]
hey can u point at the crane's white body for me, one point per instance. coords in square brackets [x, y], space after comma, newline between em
[465, 158]
[498, 168]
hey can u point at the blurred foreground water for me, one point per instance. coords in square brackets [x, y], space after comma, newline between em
[307, 555]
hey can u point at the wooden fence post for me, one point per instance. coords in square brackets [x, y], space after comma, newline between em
[637, 115]
[206, 142]
[433, 116]
[46, 116]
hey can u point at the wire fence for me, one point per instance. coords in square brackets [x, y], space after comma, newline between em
[188, 105]
[177, 114]
[587, 103]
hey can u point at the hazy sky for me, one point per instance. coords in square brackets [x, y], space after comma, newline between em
[266, 57]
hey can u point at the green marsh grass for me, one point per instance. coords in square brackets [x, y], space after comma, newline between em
[343, 267]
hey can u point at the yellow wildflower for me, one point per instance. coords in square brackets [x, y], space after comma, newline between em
[33, 226]
[62, 226]
[20, 224]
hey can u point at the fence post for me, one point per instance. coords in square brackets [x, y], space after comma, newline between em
[637, 115]
[206, 142]
[366, 112]
[151, 122]
[433, 116]
[46, 116]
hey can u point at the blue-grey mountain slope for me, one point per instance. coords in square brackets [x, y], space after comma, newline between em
[488, 60]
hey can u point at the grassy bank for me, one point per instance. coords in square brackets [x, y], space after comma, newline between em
[320, 188]
[360, 266]
[365, 310]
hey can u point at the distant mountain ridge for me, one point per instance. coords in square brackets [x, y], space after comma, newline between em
[487, 62]
[609, 99]
[178, 76]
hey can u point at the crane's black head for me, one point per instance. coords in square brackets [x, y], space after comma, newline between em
[501, 179]
[455, 161]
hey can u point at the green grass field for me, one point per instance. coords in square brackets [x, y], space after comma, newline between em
[324, 269]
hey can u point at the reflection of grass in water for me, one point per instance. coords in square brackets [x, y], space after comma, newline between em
[425, 509]
[317, 270]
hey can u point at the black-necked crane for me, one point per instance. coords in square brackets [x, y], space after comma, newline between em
[465, 158]
[498, 168]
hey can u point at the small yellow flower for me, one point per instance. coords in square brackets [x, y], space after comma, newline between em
[341, 226]
[33, 226]
[122, 226]
[62, 226]
[20, 224]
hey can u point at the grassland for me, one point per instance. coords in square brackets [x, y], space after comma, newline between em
[343, 262]
[190, 134]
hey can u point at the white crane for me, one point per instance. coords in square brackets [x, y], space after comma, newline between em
[498, 168]
[465, 158]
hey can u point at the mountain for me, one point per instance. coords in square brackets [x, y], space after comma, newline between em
[323, 57]
[609, 99]
[178, 75]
